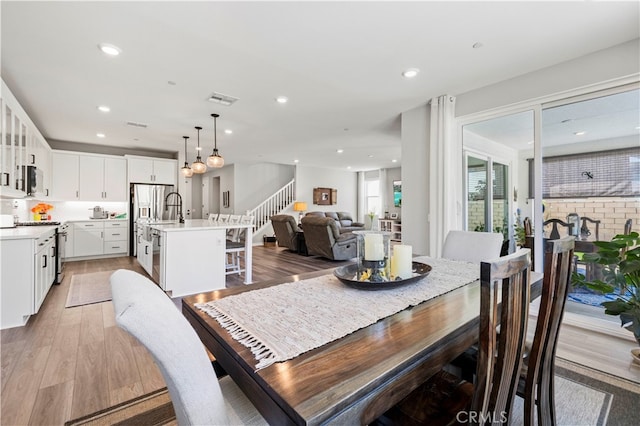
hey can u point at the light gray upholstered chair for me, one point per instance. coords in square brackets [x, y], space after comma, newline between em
[472, 246]
[199, 398]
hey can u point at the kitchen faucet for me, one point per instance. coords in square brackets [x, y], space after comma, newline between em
[178, 205]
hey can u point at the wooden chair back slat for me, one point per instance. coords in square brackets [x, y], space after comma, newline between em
[555, 234]
[504, 301]
[540, 364]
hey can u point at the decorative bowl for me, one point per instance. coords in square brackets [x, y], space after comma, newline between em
[347, 274]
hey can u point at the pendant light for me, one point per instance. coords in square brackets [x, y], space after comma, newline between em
[186, 170]
[215, 159]
[198, 166]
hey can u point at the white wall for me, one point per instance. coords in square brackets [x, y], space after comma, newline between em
[605, 65]
[227, 183]
[415, 129]
[345, 182]
[254, 183]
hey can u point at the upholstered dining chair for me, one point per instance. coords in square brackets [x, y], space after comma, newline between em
[500, 354]
[472, 246]
[537, 380]
[199, 398]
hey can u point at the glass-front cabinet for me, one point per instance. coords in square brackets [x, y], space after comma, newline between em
[22, 146]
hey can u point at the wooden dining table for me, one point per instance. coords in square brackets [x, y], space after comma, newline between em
[354, 379]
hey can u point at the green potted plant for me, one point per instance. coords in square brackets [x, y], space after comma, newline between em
[618, 263]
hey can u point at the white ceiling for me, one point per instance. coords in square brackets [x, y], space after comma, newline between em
[339, 63]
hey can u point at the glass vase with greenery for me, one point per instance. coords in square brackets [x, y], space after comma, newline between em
[617, 266]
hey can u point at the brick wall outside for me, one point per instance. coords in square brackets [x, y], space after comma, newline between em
[476, 213]
[612, 212]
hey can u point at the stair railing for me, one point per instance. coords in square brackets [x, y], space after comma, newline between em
[275, 204]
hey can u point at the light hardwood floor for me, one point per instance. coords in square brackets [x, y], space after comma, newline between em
[66, 363]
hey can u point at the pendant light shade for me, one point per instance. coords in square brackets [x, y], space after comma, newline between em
[215, 159]
[186, 170]
[198, 166]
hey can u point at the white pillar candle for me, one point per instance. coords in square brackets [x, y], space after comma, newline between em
[373, 247]
[394, 266]
[402, 260]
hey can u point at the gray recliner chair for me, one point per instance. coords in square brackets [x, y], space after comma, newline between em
[323, 238]
[286, 230]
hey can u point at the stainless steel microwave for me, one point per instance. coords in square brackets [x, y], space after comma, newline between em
[32, 180]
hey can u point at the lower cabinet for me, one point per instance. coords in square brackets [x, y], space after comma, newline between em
[27, 271]
[98, 238]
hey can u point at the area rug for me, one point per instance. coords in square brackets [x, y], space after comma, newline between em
[583, 398]
[89, 288]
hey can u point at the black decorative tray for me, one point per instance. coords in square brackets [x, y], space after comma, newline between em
[347, 275]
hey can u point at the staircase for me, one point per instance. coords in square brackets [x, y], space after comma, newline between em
[275, 204]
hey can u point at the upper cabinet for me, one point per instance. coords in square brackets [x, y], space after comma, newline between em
[21, 146]
[88, 177]
[152, 170]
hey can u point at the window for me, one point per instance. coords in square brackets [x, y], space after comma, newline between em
[372, 188]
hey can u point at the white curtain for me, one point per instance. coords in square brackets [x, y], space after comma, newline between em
[445, 158]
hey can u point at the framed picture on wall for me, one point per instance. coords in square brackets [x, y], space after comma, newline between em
[225, 199]
[322, 196]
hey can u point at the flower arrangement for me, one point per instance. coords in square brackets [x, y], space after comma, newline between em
[40, 211]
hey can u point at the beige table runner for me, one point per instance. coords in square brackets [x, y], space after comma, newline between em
[281, 322]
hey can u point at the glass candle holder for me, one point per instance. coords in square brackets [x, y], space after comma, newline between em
[373, 248]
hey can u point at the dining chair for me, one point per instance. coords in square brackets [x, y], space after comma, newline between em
[213, 217]
[199, 398]
[584, 229]
[235, 247]
[472, 246]
[528, 229]
[555, 234]
[500, 355]
[627, 226]
[536, 384]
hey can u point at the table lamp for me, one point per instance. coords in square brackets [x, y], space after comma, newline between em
[299, 206]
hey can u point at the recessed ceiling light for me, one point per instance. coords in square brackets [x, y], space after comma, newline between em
[477, 45]
[100, 135]
[394, 161]
[370, 155]
[340, 151]
[296, 161]
[228, 131]
[580, 133]
[282, 99]
[410, 73]
[530, 143]
[638, 128]
[104, 108]
[349, 167]
[109, 49]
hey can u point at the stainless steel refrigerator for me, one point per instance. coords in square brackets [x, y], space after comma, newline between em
[148, 203]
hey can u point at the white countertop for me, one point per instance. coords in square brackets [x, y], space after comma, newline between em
[94, 220]
[195, 224]
[25, 232]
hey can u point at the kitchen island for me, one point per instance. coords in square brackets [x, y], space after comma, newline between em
[191, 257]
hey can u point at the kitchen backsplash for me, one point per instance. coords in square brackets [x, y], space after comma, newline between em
[62, 211]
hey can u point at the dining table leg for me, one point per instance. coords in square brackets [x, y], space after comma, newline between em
[248, 255]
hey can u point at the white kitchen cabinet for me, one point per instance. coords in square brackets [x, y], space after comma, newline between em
[45, 261]
[89, 177]
[21, 144]
[66, 176]
[68, 242]
[103, 178]
[97, 238]
[27, 271]
[152, 170]
[88, 238]
[115, 237]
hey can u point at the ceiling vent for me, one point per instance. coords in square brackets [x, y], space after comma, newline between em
[134, 124]
[219, 98]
